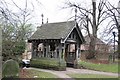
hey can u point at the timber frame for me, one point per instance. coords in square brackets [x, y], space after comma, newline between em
[60, 40]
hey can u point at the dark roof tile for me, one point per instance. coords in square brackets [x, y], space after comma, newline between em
[53, 30]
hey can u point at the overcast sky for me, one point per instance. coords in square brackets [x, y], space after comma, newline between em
[52, 9]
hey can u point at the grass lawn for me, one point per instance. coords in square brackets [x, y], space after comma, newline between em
[41, 74]
[100, 67]
[92, 77]
[31, 73]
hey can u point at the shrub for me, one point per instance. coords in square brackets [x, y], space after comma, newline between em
[10, 69]
[48, 63]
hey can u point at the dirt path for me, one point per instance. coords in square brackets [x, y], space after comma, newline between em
[63, 74]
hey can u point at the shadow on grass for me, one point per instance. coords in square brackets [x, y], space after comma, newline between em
[60, 79]
[96, 79]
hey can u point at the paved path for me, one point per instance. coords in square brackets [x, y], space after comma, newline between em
[63, 74]
[86, 71]
[60, 74]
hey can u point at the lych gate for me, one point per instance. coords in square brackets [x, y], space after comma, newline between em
[57, 40]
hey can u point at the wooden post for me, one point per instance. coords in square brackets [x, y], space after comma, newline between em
[60, 51]
[47, 49]
[76, 64]
[44, 49]
[56, 50]
[76, 52]
[32, 49]
[63, 53]
[78, 49]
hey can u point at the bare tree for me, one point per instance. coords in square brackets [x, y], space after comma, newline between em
[114, 13]
[94, 17]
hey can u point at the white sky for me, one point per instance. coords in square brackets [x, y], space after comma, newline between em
[52, 9]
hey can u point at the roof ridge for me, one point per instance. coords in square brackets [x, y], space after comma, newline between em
[58, 22]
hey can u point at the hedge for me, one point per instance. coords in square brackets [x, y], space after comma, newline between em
[10, 69]
[48, 63]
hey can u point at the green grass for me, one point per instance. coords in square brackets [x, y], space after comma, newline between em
[40, 74]
[92, 77]
[100, 67]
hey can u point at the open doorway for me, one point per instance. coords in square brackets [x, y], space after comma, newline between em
[70, 54]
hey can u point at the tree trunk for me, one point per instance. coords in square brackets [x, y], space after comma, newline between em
[91, 54]
[92, 44]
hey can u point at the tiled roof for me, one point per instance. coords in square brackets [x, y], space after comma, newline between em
[53, 30]
[98, 41]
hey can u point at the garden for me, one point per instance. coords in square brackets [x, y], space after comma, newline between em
[10, 71]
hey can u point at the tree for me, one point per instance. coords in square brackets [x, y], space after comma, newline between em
[114, 13]
[15, 29]
[94, 17]
[13, 43]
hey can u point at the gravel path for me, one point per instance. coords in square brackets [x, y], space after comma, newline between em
[63, 74]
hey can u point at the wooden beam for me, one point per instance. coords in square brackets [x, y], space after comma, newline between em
[47, 49]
